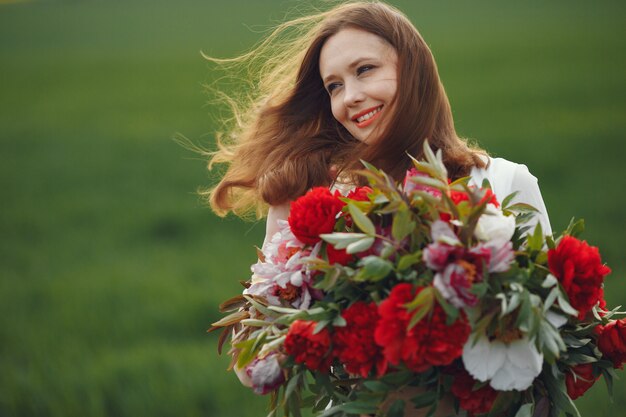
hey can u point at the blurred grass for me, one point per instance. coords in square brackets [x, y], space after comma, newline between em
[110, 267]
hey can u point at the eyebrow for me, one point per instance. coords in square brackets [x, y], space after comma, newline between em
[350, 66]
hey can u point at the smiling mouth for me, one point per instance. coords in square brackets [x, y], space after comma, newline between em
[367, 117]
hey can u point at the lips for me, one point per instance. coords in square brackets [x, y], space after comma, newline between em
[367, 116]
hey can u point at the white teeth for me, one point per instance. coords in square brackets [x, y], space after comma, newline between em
[368, 115]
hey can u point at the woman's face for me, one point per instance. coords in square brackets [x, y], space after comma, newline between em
[359, 71]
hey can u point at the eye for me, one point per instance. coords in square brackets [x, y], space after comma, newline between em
[363, 68]
[331, 87]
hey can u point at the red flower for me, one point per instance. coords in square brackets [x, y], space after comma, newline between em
[338, 256]
[360, 194]
[490, 198]
[612, 342]
[458, 196]
[308, 348]
[313, 214]
[477, 401]
[430, 342]
[354, 344]
[580, 270]
[578, 384]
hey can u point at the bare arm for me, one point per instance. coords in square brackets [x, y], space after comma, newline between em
[275, 213]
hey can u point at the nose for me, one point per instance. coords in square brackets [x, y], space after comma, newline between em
[353, 93]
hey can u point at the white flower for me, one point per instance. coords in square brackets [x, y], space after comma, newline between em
[265, 374]
[493, 225]
[502, 255]
[556, 319]
[507, 366]
[441, 232]
[284, 266]
[282, 244]
[455, 282]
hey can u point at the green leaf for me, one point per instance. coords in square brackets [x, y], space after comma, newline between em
[329, 280]
[422, 304]
[292, 385]
[609, 374]
[396, 409]
[409, 260]
[360, 407]
[525, 411]
[554, 293]
[579, 358]
[284, 310]
[361, 220]
[522, 208]
[320, 326]
[374, 269]
[246, 353]
[524, 317]
[535, 242]
[512, 305]
[557, 391]
[550, 281]
[340, 240]
[451, 311]
[575, 228]
[507, 200]
[339, 321]
[402, 224]
[565, 306]
[551, 340]
[376, 386]
[424, 399]
[360, 245]
[388, 250]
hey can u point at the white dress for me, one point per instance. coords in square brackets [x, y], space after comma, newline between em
[505, 178]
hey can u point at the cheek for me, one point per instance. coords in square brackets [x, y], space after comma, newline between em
[337, 111]
[388, 92]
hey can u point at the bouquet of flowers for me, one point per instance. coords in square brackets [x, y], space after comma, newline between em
[430, 287]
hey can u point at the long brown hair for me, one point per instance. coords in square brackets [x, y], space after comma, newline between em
[285, 137]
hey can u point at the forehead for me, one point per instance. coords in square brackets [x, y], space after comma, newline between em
[349, 45]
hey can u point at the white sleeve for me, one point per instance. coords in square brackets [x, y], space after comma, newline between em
[528, 192]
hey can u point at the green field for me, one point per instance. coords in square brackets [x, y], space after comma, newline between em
[111, 268]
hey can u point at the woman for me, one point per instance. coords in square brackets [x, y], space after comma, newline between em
[358, 82]
[292, 133]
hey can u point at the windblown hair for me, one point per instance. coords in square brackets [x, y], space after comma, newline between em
[283, 138]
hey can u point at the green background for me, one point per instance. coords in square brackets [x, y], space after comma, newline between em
[111, 268]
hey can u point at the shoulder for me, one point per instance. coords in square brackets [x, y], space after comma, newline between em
[504, 176]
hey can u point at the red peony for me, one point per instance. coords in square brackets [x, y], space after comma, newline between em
[354, 344]
[338, 256]
[580, 270]
[308, 348]
[578, 384]
[458, 196]
[430, 342]
[360, 194]
[490, 198]
[477, 401]
[313, 214]
[612, 342]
